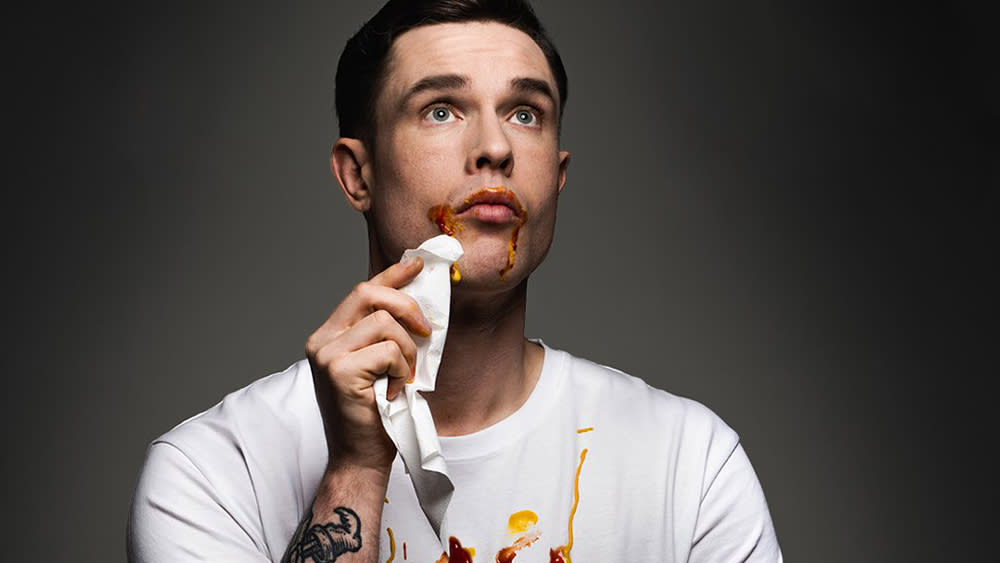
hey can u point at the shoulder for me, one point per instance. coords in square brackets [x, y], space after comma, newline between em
[258, 434]
[273, 414]
[657, 447]
[680, 428]
[279, 405]
[614, 390]
[209, 480]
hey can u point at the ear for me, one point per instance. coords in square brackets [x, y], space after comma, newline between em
[563, 165]
[350, 163]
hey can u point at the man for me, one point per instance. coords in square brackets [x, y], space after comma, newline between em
[450, 115]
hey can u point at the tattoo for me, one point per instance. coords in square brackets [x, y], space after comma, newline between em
[324, 543]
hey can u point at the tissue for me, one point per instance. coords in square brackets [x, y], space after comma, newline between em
[407, 418]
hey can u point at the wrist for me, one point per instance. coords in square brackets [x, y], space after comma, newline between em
[346, 470]
[370, 456]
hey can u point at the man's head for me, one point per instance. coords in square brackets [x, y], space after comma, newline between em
[362, 65]
[450, 123]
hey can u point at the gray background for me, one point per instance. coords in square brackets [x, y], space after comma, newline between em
[779, 210]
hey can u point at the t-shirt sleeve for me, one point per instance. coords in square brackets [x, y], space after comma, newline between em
[177, 515]
[734, 523]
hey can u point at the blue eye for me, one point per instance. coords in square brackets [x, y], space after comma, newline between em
[525, 117]
[440, 114]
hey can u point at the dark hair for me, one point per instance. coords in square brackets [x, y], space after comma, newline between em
[362, 64]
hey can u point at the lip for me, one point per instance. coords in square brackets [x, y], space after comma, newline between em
[493, 196]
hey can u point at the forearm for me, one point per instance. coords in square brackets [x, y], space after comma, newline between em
[344, 522]
[366, 337]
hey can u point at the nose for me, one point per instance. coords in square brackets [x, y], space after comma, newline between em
[491, 149]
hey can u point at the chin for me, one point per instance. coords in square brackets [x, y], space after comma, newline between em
[486, 275]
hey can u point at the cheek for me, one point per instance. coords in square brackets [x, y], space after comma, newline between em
[544, 220]
[544, 225]
[410, 178]
[415, 158]
[420, 169]
[421, 156]
[406, 165]
[542, 158]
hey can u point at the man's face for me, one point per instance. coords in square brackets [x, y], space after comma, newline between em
[467, 142]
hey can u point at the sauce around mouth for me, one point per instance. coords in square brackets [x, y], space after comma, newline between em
[512, 249]
[444, 217]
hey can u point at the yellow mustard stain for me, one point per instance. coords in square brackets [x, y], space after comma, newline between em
[521, 521]
[587, 429]
[576, 500]
[387, 500]
[392, 546]
[455, 275]
[471, 551]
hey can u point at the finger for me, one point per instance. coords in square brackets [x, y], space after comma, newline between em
[361, 368]
[395, 386]
[367, 298]
[399, 274]
[376, 327]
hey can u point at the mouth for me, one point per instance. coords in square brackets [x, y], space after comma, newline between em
[492, 205]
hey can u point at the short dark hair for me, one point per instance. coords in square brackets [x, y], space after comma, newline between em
[360, 72]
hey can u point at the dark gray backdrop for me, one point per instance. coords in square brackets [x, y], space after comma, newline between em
[779, 210]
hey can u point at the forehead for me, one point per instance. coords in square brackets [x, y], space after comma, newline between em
[486, 52]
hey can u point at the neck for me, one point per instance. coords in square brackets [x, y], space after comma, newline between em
[488, 369]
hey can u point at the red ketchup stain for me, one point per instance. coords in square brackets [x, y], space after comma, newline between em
[404, 551]
[456, 553]
[444, 217]
[556, 556]
[507, 554]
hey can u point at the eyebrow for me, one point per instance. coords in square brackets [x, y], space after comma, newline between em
[533, 85]
[458, 82]
[435, 82]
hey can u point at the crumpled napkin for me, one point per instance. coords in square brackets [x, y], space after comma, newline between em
[407, 418]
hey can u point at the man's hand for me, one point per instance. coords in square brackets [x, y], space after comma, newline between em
[366, 337]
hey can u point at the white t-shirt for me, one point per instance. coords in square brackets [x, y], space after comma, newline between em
[595, 464]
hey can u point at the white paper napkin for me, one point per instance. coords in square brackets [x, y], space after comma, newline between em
[407, 418]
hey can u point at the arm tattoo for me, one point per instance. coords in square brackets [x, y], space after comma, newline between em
[324, 543]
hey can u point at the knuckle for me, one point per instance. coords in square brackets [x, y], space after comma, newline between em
[364, 290]
[324, 358]
[333, 361]
[382, 317]
[312, 345]
[391, 349]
